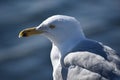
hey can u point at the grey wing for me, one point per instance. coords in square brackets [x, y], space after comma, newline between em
[112, 56]
[83, 65]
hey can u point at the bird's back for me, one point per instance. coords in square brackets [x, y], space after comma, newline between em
[91, 60]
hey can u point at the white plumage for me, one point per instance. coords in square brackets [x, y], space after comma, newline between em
[73, 56]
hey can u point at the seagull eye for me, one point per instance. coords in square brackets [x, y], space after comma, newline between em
[52, 26]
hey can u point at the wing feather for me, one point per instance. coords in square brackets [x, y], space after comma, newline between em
[92, 66]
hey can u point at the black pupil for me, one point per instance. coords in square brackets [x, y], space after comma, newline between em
[52, 26]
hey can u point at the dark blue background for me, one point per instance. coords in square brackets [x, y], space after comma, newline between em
[28, 58]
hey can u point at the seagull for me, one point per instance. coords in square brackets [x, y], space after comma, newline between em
[73, 56]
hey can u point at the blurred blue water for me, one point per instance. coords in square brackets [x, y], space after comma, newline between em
[28, 58]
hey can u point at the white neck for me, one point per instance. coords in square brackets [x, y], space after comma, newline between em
[67, 45]
[60, 48]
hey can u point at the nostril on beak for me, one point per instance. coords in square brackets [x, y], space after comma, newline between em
[24, 34]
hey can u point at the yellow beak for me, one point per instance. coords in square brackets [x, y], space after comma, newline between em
[29, 31]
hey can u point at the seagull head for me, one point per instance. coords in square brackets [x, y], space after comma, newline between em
[58, 28]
